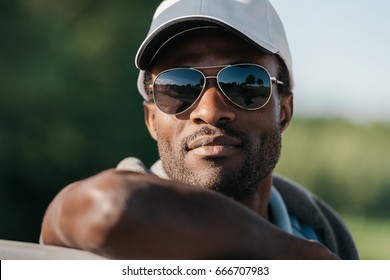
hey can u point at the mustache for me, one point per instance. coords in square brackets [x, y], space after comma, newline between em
[221, 130]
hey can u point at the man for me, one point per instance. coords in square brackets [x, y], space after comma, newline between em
[216, 77]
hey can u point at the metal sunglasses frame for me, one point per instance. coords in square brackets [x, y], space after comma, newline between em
[273, 80]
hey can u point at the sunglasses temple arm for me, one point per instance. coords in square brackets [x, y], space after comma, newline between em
[276, 81]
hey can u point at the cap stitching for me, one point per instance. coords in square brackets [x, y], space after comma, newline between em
[202, 7]
[268, 23]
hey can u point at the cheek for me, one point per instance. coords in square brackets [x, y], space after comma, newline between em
[274, 107]
[167, 128]
[266, 118]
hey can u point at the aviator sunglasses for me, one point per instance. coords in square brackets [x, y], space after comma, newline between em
[248, 86]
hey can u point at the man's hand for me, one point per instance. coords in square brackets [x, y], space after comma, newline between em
[128, 215]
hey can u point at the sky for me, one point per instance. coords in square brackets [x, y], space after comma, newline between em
[341, 57]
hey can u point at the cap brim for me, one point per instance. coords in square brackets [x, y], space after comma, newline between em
[155, 40]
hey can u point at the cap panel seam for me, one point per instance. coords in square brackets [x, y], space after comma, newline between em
[202, 7]
[268, 23]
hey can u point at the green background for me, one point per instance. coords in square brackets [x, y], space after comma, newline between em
[69, 108]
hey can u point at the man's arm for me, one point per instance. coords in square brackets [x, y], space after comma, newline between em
[127, 215]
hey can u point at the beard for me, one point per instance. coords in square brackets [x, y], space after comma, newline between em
[259, 160]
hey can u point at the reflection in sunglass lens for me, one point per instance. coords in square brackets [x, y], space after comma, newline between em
[177, 89]
[247, 86]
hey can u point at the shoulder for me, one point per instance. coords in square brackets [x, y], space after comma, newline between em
[311, 210]
[132, 164]
[136, 165]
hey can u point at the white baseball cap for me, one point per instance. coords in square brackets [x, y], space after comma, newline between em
[256, 21]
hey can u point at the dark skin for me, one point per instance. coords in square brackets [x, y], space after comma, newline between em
[128, 215]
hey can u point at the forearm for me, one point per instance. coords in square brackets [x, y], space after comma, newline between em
[82, 213]
[134, 216]
[140, 216]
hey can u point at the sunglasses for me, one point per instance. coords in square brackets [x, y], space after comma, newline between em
[248, 86]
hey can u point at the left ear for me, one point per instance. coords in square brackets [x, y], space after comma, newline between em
[286, 109]
[149, 113]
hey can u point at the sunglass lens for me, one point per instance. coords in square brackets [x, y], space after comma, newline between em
[177, 89]
[248, 86]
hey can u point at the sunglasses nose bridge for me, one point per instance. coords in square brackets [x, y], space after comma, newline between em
[212, 106]
[212, 82]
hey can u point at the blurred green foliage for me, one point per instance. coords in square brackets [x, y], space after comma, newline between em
[371, 236]
[346, 164]
[69, 108]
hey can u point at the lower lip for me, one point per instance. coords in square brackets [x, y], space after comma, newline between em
[214, 151]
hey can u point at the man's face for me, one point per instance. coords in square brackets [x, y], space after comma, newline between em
[215, 144]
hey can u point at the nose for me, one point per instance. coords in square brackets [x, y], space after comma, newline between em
[212, 107]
